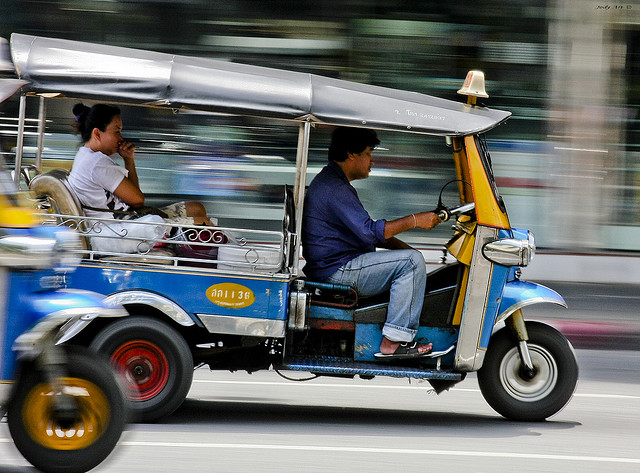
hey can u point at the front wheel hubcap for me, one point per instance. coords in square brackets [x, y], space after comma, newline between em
[529, 388]
[144, 367]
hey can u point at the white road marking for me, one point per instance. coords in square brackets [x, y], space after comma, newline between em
[371, 450]
[607, 396]
[408, 386]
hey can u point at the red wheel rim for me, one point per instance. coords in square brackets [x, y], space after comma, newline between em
[144, 367]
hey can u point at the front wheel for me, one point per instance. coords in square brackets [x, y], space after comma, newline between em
[57, 443]
[517, 396]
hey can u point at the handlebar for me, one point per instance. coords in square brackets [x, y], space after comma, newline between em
[445, 214]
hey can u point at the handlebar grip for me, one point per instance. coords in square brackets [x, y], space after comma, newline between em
[443, 214]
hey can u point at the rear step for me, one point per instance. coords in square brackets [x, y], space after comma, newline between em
[347, 367]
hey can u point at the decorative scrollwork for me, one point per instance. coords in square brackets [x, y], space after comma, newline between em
[251, 255]
[144, 247]
[89, 227]
[198, 235]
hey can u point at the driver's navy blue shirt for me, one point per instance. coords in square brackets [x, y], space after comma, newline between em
[335, 226]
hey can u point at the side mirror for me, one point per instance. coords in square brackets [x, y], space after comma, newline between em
[510, 251]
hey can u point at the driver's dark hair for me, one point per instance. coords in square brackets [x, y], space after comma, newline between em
[99, 116]
[346, 140]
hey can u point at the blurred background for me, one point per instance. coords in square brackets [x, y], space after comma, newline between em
[567, 162]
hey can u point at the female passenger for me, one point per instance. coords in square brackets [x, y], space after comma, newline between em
[104, 187]
[108, 190]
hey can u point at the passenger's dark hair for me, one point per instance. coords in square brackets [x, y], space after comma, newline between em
[347, 140]
[98, 116]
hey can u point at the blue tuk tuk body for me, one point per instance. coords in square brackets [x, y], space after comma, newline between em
[252, 308]
[256, 301]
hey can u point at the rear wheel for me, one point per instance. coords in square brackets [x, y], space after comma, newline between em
[54, 442]
[154, 362]
[514, 394]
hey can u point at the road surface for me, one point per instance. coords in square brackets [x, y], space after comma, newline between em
[235, 422]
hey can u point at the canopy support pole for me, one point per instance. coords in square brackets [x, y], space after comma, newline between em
[42, 113]
[17, 168]
[300, 185]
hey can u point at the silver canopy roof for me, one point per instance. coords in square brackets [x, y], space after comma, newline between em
[109, 73]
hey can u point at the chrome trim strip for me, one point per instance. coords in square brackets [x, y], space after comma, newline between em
[248, 326]
[527, 302]
[468, 356]
[166, 306]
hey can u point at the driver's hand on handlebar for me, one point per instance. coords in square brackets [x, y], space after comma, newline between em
[427, 220]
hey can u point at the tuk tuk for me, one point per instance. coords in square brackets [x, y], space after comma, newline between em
[252, 308]
[65, 406]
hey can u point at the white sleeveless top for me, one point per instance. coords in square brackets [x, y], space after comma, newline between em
[94, 177]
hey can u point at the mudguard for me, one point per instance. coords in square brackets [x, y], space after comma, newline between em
[151, 299]
[518, 294]
[66, 310]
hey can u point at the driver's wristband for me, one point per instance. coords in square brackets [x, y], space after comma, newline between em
[415, 221]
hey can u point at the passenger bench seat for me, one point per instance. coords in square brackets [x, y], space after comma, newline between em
[54, 187]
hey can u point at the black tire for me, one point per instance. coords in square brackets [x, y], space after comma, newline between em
[518, 398]
[154, 361]
[56, 447]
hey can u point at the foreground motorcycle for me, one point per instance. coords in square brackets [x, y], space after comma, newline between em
[65, 407]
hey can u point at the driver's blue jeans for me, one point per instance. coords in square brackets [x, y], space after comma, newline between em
[404, 273]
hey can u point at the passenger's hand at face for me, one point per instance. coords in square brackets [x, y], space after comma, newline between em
[126, 149]
[427, 220]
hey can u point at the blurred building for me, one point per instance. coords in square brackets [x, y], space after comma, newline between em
[567, 162]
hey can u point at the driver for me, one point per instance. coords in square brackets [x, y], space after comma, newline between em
[339, 241]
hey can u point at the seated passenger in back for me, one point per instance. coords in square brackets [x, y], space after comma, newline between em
[108, 190]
